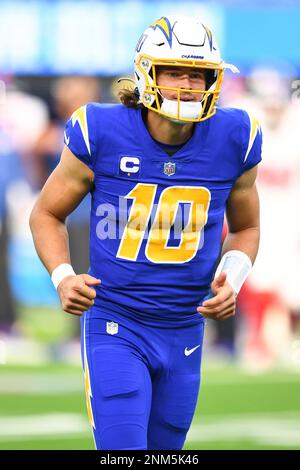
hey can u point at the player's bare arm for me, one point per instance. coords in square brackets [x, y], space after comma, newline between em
[242, 213]
[63, 191]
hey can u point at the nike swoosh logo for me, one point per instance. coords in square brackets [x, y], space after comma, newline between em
[67, 139]
[188, 352]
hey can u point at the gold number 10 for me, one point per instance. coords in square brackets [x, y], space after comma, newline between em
[156, 249]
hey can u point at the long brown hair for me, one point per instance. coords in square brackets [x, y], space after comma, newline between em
[126, 91]
[129, 98]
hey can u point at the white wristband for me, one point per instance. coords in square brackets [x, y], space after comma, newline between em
[237, 265]
[59, 273]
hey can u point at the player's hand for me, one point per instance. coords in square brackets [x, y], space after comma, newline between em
[222, 305]
[75, 293]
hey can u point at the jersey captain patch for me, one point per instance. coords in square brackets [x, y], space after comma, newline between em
[129, 166]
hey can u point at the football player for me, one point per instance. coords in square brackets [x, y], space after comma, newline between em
[162, 168]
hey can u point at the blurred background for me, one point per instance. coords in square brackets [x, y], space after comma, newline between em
[58, 55]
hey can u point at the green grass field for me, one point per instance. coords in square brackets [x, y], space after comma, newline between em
[44, 408]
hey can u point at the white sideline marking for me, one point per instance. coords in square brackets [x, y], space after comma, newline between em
[56, 424]
[280, 428]
[273, 428]
[42, 384]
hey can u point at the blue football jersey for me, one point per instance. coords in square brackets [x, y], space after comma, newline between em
[156, 220]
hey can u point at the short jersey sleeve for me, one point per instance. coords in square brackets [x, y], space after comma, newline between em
[78, 135]
[251, 143]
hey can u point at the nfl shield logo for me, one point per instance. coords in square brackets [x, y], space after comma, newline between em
[112, 328]
[169, 168]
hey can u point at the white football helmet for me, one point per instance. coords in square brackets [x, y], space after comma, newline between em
[182, 42]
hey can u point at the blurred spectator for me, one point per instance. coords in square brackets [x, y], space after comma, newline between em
[30, 148]
[23, 117]
[10, 169]
[272, 293]
[69, 93]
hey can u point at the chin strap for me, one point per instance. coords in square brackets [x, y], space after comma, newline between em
[188, 109]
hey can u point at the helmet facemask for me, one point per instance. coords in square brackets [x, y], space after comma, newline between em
[178, 41]
[176, 109]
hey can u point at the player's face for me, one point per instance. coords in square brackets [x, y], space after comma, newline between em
[181, 77]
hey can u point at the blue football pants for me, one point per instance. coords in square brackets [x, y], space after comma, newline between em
[141, 382]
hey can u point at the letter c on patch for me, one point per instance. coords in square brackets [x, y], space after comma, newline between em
[130, 164]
